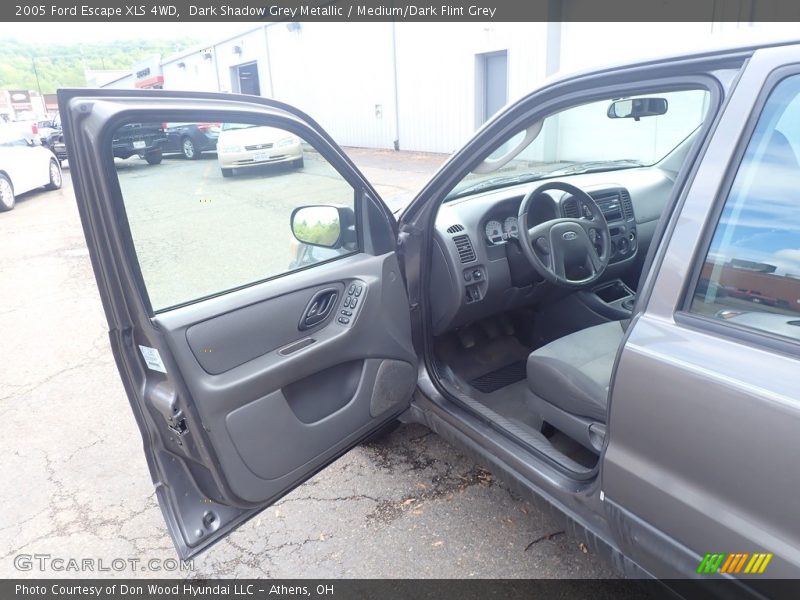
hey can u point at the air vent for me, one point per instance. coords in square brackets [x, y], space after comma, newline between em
[465, 250]
[455, 228]
[570, 208]
[627, 207]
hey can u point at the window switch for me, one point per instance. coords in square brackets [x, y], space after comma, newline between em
[353, 302]
[358, 290]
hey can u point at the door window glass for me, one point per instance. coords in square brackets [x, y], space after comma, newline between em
[751, 274]
[209, 205]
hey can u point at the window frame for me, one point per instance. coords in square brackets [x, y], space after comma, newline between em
[288, 123]
[748, 336]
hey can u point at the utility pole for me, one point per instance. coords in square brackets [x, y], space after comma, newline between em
[36, 74]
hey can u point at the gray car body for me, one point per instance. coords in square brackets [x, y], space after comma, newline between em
[680, 474]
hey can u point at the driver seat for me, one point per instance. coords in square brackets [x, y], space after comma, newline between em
[568, 381]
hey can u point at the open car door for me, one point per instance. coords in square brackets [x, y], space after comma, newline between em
[253, 352]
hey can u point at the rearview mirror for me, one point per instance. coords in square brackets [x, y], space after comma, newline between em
[636, 108]
[321, 225]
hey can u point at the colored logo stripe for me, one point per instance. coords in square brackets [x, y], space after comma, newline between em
[734, 563]
[710, 563]
[758, 563]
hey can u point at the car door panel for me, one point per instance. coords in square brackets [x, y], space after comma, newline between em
[266, 396]
[702, 504]
[229, 340]
[703, 426]
[239, 396]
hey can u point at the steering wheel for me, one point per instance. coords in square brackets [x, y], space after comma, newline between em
[559, 249]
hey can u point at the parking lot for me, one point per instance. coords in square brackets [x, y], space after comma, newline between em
[76, 484]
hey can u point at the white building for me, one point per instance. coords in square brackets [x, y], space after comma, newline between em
[415, 86]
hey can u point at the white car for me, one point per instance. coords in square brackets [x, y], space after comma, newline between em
[241, 145]
[24, 166]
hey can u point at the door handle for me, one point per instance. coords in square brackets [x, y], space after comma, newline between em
[318, 309]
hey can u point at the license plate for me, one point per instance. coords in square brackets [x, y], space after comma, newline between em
[261, 156]
[139, 145]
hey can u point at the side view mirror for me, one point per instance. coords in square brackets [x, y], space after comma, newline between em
[636, 108]
[323, 225]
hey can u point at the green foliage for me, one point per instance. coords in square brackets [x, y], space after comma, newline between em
[323, 234]
[63, 65]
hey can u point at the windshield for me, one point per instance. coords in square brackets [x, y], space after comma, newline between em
[586, 138]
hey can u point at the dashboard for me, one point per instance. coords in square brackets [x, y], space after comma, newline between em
[475, 249]
[614, 202]
[498, 231]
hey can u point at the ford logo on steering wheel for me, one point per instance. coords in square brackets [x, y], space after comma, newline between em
[569, 235]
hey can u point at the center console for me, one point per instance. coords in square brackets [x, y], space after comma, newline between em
[612, 299]
[618, 210]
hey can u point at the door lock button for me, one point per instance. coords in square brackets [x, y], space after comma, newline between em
[344, 320]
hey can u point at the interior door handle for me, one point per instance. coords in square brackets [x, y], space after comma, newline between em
[318, 309]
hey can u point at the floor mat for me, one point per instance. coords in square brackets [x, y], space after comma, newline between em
[500, 378]
[486, 356]
[510, 402]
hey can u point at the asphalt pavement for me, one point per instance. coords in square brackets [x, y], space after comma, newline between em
[75, 482]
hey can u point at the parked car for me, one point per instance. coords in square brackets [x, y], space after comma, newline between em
[145, 140]
[55, 139]
[493, 311]
[47, 128]
[27, 128]
[242, 145]
[24, 166]
[57, 145]
[190, 139]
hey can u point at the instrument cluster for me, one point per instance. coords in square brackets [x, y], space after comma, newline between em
[498, 231]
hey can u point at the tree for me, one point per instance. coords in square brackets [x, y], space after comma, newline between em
[64, 65]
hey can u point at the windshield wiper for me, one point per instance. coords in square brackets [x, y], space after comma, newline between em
[597, 165]
[494, 183]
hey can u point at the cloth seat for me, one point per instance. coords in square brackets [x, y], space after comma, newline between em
[573, 373]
